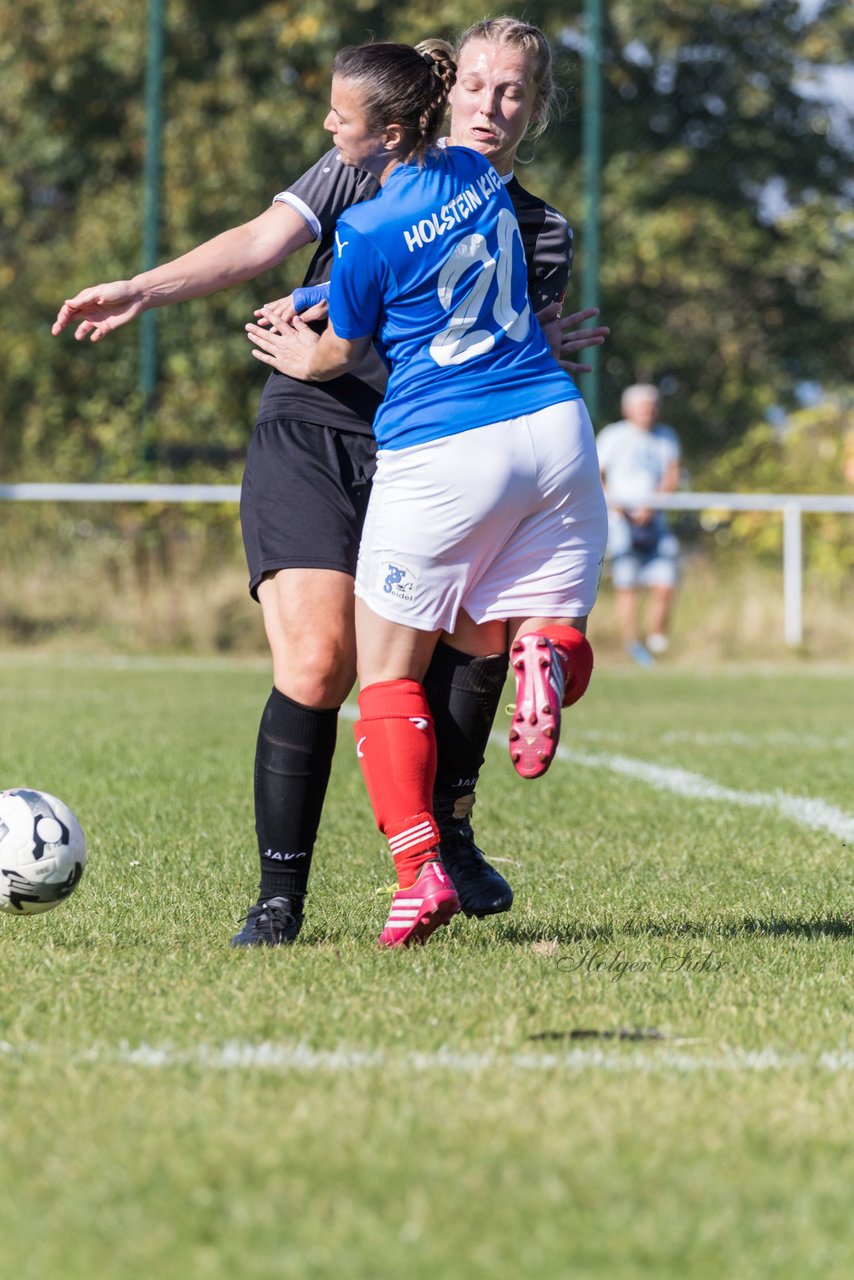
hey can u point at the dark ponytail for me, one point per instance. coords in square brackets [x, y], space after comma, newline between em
[401, 85]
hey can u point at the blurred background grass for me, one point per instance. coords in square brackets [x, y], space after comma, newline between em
[140, 579]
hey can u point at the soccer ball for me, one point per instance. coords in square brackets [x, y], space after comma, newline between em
[42, 852]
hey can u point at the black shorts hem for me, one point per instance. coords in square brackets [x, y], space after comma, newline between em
[273, 566]
[304, 496]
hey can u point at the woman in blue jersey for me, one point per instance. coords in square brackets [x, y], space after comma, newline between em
[487, 514]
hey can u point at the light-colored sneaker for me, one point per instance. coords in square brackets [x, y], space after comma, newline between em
[540, 681]
[421, 909]
[657, 643]
[640, 654]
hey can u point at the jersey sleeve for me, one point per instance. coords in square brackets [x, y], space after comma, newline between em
[359, 278]
[547, 241]
[551, 263]
[325, 190]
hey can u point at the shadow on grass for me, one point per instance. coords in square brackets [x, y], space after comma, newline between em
[709, 929]
[778, 926]
[530, 933]
[748, 927]
[526, 934]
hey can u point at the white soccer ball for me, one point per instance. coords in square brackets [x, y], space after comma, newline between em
[42, 852]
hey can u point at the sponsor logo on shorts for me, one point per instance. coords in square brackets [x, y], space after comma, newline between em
[397, 581]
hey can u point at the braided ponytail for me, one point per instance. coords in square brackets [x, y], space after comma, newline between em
[438, 56]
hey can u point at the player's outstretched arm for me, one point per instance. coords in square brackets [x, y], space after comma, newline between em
[238, 254]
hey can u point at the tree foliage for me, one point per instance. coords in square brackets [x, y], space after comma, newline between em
[727, 227]
[726, 222]
[813, 453]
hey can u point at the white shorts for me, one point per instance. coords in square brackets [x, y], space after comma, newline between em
[629, 572]
[652, 565]
[504, 521]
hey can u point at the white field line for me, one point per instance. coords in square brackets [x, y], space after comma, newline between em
[806, 811]
[238, 1055]
[749, 741]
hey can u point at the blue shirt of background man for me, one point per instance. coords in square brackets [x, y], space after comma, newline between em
[433, 268]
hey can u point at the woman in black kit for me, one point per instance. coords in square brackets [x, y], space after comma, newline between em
[307, 482]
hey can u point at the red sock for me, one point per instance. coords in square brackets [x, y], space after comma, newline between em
[396, 746]
[577, 657]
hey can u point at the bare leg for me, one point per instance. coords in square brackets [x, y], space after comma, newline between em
[310, 626]
[522, 626]
[627, 615]
[660, 605]
[389, 650]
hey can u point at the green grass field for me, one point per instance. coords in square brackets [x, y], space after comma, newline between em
[174, 1109]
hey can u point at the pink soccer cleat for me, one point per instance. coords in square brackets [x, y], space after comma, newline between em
[418, 911]
[540, 681]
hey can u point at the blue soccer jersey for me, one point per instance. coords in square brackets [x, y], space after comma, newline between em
[433, 268]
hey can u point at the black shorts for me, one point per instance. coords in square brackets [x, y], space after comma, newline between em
[304, 497]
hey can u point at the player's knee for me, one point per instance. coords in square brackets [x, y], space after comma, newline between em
[317, 672]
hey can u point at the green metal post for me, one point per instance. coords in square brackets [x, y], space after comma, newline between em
[592, 155]
[151, 183]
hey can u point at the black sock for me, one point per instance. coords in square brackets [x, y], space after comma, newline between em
[293, 759]
[464, 693]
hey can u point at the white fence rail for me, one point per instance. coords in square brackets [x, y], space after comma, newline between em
[791, 505]
[120, 492]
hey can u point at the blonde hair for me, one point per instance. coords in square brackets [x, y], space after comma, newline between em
[529, 40]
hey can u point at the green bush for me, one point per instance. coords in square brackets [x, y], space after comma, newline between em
[812, 453]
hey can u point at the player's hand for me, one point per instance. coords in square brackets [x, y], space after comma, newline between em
[285, 345]
[100, 309]
[573, 338]
[283, 309]
[642, 515]
[565, 337]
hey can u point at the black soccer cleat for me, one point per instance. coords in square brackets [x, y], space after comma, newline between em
[271, 923]
[482, 891]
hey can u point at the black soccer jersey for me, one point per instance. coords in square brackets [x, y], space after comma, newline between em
[321, 195]
[547, 241]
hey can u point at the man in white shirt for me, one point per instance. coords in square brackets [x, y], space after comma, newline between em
[639, 456]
